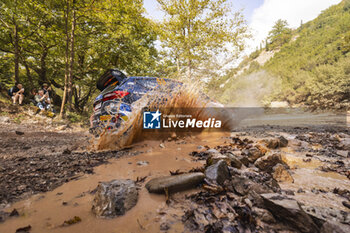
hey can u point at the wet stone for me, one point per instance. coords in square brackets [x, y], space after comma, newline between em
[267, 162]
[234, 161]
[14, 213]
[114, 198]
[343, 153]
[274, 143]
[281, 174]
[289, 211]
[174, 183]
[253, 154]
[218, 172]
[334, 227]
[25, 229]
[164, 226]
[264, 215]
[3, 216]
[229, 158]
[323, 214]
[142, 163]
[346, 204]
[244, 160]
[216, 157]
[344, 144]
[300, 190]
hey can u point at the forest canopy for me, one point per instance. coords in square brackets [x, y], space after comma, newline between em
[70, 43]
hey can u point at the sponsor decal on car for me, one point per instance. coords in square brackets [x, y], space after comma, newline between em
[105, 117]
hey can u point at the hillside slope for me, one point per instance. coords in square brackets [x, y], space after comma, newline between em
[312, 68]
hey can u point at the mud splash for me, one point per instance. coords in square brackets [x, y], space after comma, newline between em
[185, 101]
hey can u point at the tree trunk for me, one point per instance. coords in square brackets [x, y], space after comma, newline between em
[66, 61]
[71, 65]
[189, 55]
[29, 75]
[16, 53]
[43, 70]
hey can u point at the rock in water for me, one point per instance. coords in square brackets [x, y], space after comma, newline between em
[174, 183]
[114, 198]
[229, 158]
[289, 211]
[234, 162]
[344, 144]
[274, 143]
[253, 154]
[281, 174]
[283, 142]
[218, 172]
[216, 157]
[267, 162]
[334, 227]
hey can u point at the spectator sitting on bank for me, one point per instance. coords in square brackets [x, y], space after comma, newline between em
[17, 93]
[42, 100]
[33, 93]
[47, 89]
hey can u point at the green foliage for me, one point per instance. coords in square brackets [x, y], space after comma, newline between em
[346, 5]
[196, 31]
[108, 34]
[314, 67]
[75, 118]
[254, 66]
[279, 35]
[254, 54]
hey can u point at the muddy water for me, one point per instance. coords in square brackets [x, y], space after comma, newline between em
[46, 213]
[317, 185]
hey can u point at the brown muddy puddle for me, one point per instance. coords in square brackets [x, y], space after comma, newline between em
[46, 212]
[317, 185]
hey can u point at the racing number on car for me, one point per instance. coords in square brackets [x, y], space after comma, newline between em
[161, 81]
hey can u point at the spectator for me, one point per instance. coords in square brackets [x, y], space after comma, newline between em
[33, 93]
[42, 100]
[17, 93]
[47, 90]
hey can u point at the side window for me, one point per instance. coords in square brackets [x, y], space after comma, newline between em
[129, 86]
[146, 84]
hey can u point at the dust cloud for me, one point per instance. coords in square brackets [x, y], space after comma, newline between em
[252, 90]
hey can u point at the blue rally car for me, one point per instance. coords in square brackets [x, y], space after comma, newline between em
[114, 104]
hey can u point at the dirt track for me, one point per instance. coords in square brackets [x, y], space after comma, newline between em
[41, 158]
[34, 159]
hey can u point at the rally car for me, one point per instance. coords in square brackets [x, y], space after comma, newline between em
[114, 105]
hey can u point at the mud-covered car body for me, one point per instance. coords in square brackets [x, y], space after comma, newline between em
[114, 104]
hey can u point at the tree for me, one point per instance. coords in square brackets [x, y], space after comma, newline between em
[68, 67]
[280, 33]
[11, 24]
[195, 31]
[70, 43]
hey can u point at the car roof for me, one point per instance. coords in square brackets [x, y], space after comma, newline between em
[141, 77]
[145, 77]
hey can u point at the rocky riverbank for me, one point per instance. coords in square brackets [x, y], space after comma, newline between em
[258, 179]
